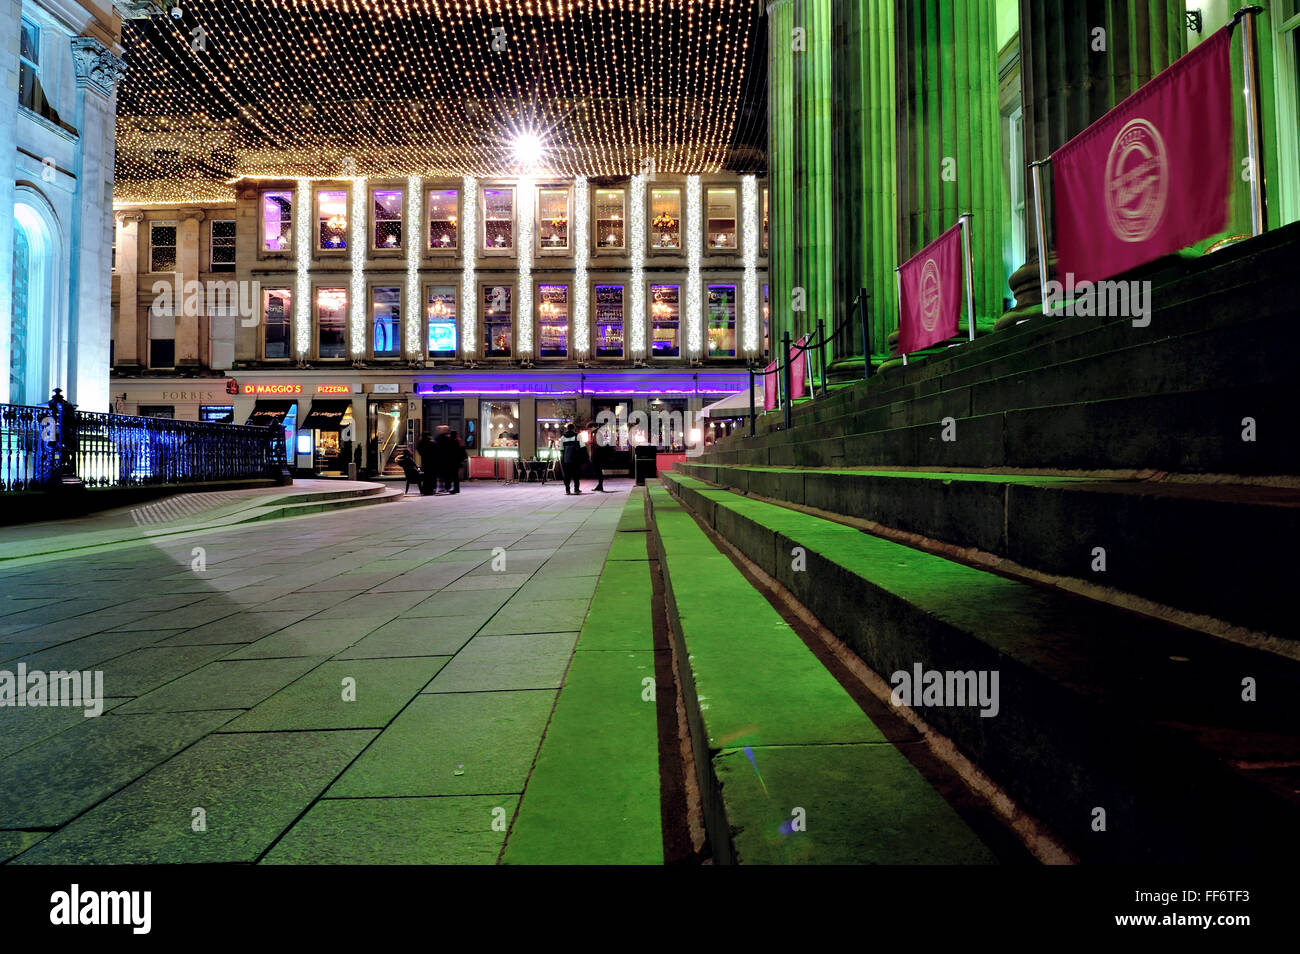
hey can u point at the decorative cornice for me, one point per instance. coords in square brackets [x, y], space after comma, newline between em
[97, 67]
[139, 9]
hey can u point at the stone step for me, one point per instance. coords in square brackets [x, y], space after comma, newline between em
[1196, 432]
[1212, 549]
[791, 770]
[1097, 708]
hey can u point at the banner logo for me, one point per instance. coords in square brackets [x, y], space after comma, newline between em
[931, 295]
[1137, 181]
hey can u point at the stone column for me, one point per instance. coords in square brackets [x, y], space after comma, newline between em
[866, 191]
[783, 233]
[1066, 85]
[813, 185]
[10, 17]
[949, 142]
[98, 70]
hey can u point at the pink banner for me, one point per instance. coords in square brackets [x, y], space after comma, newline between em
[798, 359]
[769, 387]
[930, 293]
[1151, 176]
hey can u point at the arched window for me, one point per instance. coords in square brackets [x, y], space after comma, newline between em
[31, 330]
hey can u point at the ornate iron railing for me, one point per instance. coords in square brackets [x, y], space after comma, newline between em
[41, 447]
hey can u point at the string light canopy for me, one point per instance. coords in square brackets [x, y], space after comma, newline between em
[319, 89]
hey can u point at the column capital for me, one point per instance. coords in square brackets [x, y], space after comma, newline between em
[126, 218]
[775, 4]
[97, 66]
[193, 215]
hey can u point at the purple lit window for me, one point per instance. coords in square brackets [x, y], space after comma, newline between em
[609, 321]
[497, 331]
[388, 218]
[277, 221]
[444, 218]
[553, 320]
[331, 322]
[722, 321]
[498, 219]
[665, 316]
[440, 310]
[276, 312]
[386, 307]
[332, 220]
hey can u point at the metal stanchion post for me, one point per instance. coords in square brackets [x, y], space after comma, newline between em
[786, 378]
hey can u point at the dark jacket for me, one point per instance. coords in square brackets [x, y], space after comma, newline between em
[450, 452]
[428, 449]
[572, 453]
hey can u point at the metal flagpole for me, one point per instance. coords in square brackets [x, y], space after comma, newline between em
[898, 284]
[751, 396]
[970, 280]
[1042, 231]
[1254, 145]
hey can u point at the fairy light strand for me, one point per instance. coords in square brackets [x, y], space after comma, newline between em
[694, 235]
[581, 233]
[749, 287]
[635, 315]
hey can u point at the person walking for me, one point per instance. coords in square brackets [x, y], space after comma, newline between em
[453, 455]
[572, 457]
[599, 457]
[428, 450]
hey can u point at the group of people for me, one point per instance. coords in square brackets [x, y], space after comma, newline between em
[441, 457]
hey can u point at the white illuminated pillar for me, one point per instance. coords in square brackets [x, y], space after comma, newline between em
[694, 228]
[414, 237]
[302, 248]
[524, 197]
[469, 255]
[749, 297]
[581, 251]
[635, 301]
[357, 253]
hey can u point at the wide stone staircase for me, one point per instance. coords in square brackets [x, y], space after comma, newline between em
[1106, 516]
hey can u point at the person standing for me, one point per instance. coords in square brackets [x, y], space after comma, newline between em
[453, 455]
[571, 459]
[599, 457]
[428, 450]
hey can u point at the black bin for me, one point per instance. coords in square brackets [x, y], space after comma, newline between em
[644, 463]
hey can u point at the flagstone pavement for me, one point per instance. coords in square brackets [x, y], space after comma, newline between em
[366, 686]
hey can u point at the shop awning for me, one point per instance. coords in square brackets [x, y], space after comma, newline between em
[267, 413]
[735, 405]
[325, 416]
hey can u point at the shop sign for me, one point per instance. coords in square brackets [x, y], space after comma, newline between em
[385, 389]
[333, 389]
[272, 388]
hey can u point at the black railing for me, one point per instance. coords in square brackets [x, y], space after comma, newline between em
[42, 448]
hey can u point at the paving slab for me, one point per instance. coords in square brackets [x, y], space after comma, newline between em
[234, 684]
[478, 743]
[416, 636]
[151, 821]
[538, 616]
[521, 661]
[456, 830]
[321, 636]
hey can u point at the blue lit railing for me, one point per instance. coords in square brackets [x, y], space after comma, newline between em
[56, 445]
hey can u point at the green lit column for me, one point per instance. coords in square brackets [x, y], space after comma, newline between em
[1069, 80]
[813, 185]
[866, 190]
[781, 166]
[949, 141]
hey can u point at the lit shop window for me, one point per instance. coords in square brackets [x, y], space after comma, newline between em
[722, 321]
[162, 246]
[665, 316]
[217, 413]
[767, 343]
[386, 320]
[277, 221]
[553, 320]
[332, 219]
[222, 246]
[501, 424]
[611, 219]
[387, 231]
[497, 305]
[553, 218]
[276, 312]
[764, 220]
[440, 310]
[444, 212]
[331, 322]
[498, 219]
[609, 321]
[722, 218]
[665, 218]
[552, 417]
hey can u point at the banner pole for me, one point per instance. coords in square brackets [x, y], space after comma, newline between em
[970, 279]
[821, 351]
[1035, 167]
[786, 375]
[898, 286]
[1254, 145]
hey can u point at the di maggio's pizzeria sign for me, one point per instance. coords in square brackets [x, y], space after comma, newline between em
[273, 389]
